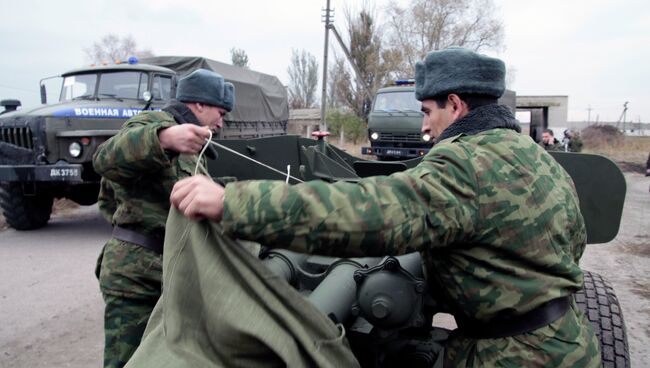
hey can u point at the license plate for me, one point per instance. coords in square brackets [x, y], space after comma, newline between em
[64, 173]
[393, 152]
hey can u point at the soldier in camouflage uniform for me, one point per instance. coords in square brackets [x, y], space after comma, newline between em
[139, 166]
[571, 141]
[549, 142]
[494, 216]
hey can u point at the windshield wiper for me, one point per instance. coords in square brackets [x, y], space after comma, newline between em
[413, 110]
[396, 110]
[111, 96]
[84, 97]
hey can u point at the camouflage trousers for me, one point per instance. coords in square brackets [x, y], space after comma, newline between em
[130, 279]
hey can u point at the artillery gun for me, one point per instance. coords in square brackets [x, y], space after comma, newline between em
[385, 303]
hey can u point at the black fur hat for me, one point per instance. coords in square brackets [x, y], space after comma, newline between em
[458, 70]
[206, 87]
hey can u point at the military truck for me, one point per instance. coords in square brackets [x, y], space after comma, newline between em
[395, 120]
[385, 304]
[46, 152]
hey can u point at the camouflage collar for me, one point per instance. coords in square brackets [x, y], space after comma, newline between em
[181, 113]
[481, 119]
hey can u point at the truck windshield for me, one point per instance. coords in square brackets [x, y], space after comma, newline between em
[396, 101]
[78, 87]
[112, 85]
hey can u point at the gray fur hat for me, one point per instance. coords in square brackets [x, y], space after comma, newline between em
[458, 70]
[206, 87]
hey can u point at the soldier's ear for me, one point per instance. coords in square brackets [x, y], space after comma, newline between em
[458, 107]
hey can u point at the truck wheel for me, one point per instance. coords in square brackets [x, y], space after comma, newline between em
[598, 301]
[24, 212]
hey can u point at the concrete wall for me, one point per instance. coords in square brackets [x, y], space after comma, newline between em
[557, 108]
[303, 122]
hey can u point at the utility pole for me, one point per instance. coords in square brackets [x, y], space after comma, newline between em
[327, 19]
[589, 115]
[623, 116]
[357, 72]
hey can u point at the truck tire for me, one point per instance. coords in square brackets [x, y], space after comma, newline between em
[599, 303]
[24, 212]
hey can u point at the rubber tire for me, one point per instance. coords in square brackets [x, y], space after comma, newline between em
[24, 212]
[598, 301]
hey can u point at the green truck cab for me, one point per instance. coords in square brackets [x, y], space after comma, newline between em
[395, 121]
[46, 152]
[394, 124]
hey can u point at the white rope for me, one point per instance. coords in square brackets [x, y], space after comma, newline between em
[288, 173]
[198, 161]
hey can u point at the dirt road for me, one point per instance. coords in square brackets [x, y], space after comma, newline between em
[50, 305]
[51, 309]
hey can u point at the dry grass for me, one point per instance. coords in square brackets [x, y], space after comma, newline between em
[63, 207]
[630, 153]
[3, 223]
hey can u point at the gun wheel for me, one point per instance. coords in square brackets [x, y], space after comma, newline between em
[598, 301]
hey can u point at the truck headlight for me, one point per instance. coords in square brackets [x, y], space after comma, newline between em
[374, 136]
[75, 149]
[426, 137]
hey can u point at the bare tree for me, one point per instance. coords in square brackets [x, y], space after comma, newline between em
[335, 73]
[239, 57]
[112, 48]
[374, 62]
[303, 79]
[427, 25]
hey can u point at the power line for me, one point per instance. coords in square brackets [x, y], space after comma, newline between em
[18, 89]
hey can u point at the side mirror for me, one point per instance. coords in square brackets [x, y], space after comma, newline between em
[43, 94]
[43, 90]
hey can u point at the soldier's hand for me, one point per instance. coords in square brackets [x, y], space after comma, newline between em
[184, 138]
[198, 197]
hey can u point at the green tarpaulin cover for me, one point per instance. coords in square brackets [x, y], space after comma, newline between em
[222, 307]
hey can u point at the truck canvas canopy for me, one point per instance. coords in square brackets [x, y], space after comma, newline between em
[251, 87]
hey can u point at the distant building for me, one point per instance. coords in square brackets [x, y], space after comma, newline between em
[303, 122]
[536, 113]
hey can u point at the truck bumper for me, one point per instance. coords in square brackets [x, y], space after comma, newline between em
[51, 173]
[395, 151]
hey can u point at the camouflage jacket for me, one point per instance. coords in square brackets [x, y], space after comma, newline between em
[556, 146]
[138, 175]
[494, 216]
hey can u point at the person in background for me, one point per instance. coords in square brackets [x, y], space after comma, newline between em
[549, 142]
[139, 166]
[571, 141]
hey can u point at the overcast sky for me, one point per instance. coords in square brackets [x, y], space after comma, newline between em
[596, 52]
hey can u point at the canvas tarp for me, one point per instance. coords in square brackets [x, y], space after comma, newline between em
[258, 96]
[222, 308]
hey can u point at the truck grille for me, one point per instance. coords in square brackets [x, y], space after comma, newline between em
[18, 136]
[400, 137]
